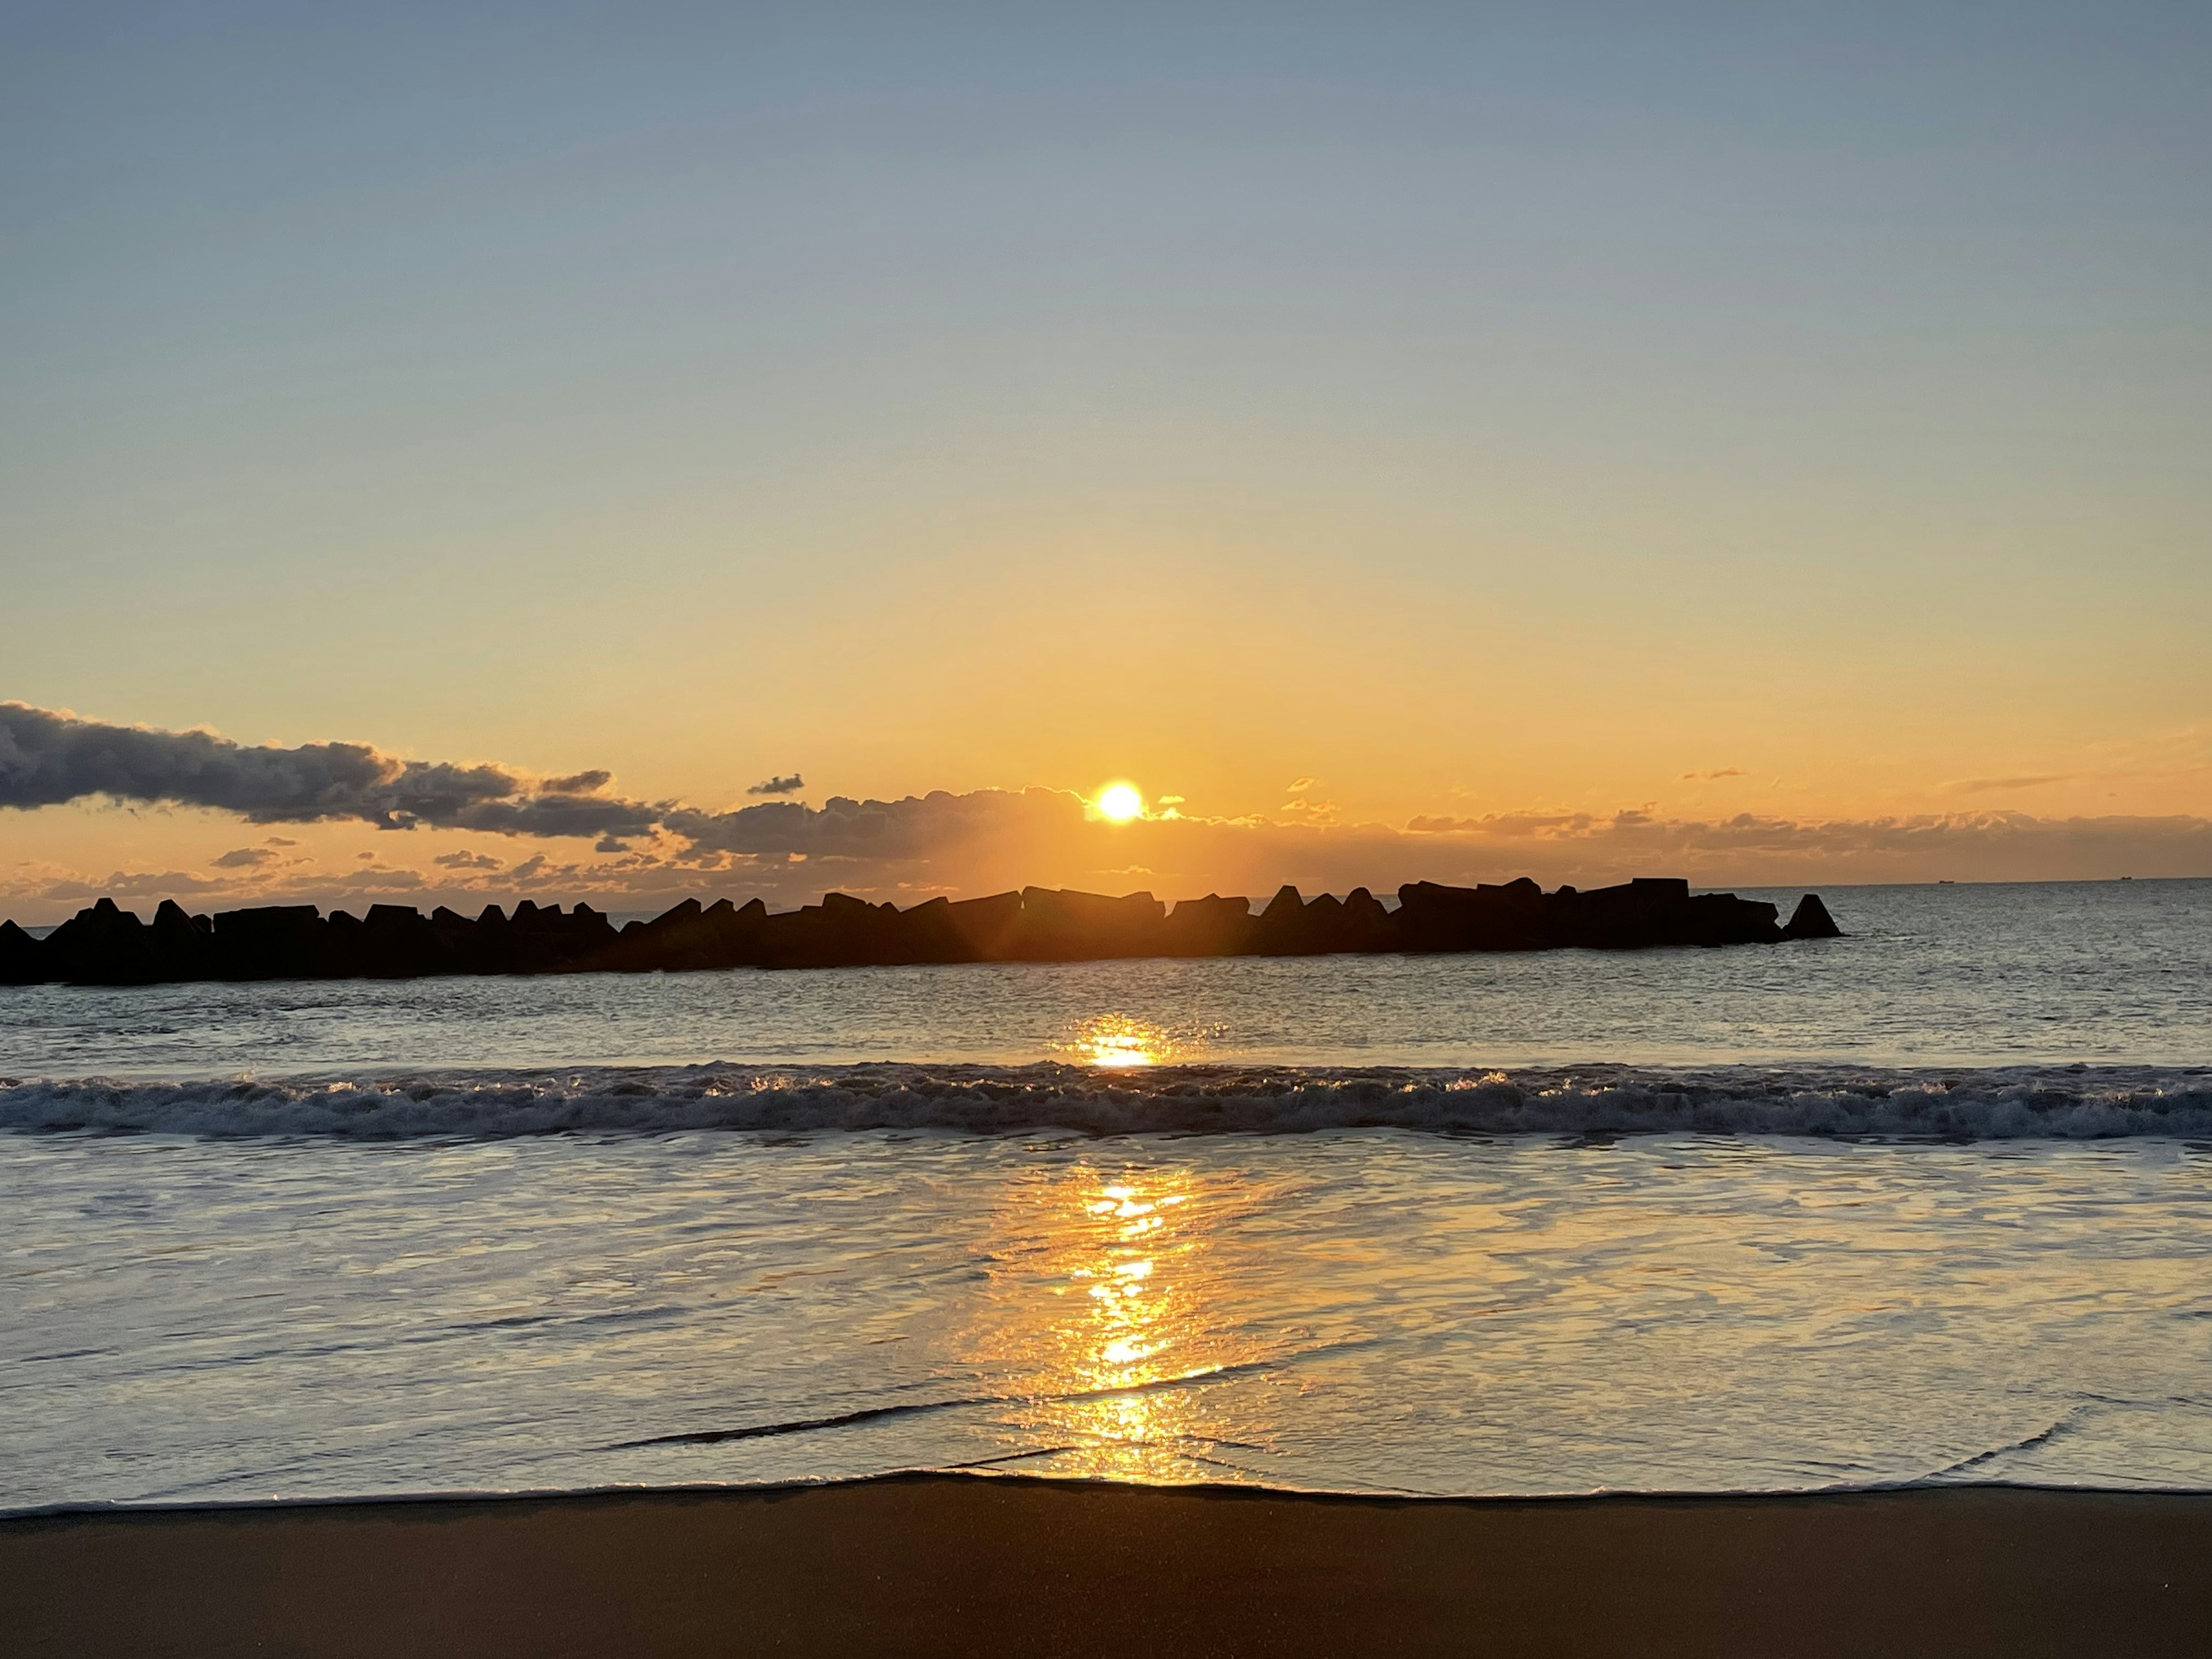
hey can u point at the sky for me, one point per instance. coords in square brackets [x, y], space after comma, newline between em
[1764, 443]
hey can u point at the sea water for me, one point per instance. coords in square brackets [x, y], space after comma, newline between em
[1926, 1203]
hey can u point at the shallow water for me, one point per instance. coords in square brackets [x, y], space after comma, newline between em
[1928, 1203]
[1346, 1310]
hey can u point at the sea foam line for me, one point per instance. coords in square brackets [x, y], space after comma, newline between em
[2071, 1102]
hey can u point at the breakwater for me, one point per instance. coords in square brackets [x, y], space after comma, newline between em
[106, 944]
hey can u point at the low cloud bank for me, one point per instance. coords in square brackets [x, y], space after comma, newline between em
[49, 758]
[650, 854]
[989, 839]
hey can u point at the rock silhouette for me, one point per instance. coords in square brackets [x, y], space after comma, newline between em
[1811, 920]
[104, 945]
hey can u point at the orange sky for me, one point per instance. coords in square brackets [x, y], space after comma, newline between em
[1486, 417]
[142, 846]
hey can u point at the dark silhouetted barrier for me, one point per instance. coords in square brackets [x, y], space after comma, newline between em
[107, 945]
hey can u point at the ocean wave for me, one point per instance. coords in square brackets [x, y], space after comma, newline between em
[2004, 1103]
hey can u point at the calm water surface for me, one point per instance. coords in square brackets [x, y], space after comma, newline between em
[339, 1255]
[2112, 972]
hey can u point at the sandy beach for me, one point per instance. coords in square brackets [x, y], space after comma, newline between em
[953, 1565]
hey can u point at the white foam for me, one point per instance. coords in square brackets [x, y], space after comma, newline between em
[2071, 1102]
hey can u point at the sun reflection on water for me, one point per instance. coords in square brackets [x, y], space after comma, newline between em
[1116, 1041]
[1105, 1317]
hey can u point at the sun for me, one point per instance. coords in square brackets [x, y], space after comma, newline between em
[1119, 802]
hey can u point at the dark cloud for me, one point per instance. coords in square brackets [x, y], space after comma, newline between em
[244, 858]
[47, 758]
[465, 860]
[790, 786]
[577, 783]
[875, 830]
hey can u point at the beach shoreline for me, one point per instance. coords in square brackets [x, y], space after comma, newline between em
[952, 1563]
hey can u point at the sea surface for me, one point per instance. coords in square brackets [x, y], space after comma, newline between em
[1928, 1203]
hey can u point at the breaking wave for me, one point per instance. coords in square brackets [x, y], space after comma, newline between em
[2006, 1103]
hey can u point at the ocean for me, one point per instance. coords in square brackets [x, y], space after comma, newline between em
[1926, 1203]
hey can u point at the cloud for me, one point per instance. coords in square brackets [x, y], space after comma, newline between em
[878, 831]
[577, 783]
[982, 842]
[465, 860]
[244, 858]
[1707, 777]
[128, 884]
[789, 785]
[49, 758]
[1751, 849]
[909, 850]
[1983, 786]
[990, 839]
[1299, 786]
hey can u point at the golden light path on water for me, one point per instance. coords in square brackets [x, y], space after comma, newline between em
[1108, 1308]
[1369, 1311]
[1104, 1311]
[1097, 1313]
[1117, 1041]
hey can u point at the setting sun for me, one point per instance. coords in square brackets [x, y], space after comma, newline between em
[1119, 802]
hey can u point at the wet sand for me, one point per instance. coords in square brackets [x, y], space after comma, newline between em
[952, 1565]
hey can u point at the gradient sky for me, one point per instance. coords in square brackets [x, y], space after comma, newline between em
[1792, 409]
